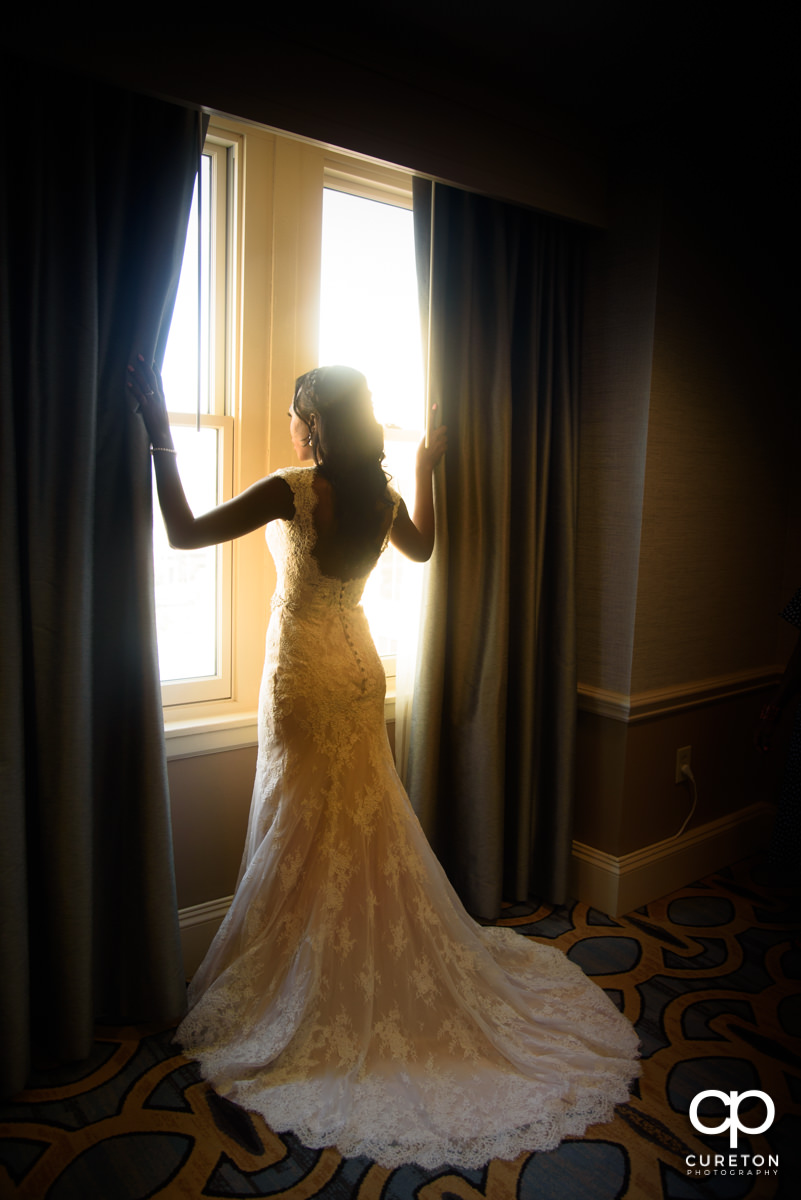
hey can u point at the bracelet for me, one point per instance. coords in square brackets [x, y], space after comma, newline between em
[163, 449]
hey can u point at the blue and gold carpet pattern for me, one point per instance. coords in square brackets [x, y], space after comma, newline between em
[711, 977]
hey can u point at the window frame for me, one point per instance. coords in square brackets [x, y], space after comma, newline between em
[221, 150]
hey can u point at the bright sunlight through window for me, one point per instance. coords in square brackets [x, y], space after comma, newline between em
[369, 319]
[187, 582]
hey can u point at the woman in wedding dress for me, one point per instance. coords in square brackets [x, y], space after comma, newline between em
[348, 996]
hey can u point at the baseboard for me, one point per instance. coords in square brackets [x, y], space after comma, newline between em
[198, 925]
[619, 885]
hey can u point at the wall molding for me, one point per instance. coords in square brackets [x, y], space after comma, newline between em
[658, 702]
[619, 885]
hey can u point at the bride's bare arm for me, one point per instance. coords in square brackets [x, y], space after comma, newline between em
[414, 536]
[265, 501]
[259, 504]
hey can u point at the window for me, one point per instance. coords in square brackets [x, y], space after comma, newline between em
[267, 200]
[193, 588]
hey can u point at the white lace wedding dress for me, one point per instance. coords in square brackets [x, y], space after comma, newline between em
[348, 996]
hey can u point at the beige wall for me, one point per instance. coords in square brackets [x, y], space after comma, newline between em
[622, 270]
[689, 508]
[715, 507]
[209, 803]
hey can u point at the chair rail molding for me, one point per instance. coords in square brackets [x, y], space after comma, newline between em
[657, 702]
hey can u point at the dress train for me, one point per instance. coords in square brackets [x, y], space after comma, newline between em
[348, 996]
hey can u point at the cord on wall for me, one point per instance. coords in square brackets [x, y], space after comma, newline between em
[687, 774]
[686, 771]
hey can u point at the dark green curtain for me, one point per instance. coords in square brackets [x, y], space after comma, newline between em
[492, 742]
[94, 204]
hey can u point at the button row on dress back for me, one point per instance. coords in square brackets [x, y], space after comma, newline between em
[349, 640]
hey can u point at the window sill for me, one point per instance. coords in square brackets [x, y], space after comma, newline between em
[189, 737]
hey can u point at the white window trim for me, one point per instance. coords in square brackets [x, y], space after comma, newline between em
[389, 185]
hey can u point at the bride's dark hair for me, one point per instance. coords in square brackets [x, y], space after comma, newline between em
[348, 447]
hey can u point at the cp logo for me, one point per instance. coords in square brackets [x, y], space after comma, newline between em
[732, 1100]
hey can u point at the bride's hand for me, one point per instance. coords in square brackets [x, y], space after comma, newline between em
[145, 383]
[429, 455]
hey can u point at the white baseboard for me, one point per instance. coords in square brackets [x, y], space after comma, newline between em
[619, 885]
[198, 925]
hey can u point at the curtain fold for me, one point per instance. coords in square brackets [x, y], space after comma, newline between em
[492, 743]
[92, 228]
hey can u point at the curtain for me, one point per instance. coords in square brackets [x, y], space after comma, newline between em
[94, 206]
[492, 741]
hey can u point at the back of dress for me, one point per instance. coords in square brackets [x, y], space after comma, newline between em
[321, 704]
[302, 585]
[321, 660]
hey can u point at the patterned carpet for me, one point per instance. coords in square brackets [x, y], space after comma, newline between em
[710, 976]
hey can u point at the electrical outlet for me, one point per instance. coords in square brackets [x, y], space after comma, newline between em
[683, 759]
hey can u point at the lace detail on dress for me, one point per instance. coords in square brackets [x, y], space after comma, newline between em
[348, 996]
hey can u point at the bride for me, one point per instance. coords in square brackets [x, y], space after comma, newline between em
[348, 996]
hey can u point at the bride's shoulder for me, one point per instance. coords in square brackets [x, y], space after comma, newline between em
[298, 478]
[300, 481]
